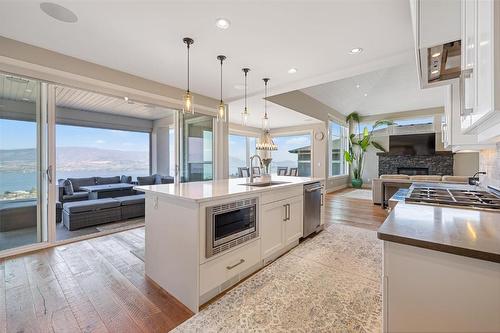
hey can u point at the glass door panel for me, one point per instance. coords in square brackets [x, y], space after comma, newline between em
[197, 148]
[21, 150]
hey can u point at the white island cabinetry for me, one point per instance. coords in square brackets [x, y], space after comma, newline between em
[177, 218]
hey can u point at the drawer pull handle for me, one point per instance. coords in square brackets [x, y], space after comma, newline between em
[237, 264]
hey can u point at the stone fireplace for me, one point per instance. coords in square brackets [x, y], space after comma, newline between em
[440, 163]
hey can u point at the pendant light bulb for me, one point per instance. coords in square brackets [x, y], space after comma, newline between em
[245, 113]
[188, 96]
[221, 110]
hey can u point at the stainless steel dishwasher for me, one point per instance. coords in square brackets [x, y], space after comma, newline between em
[312, 208]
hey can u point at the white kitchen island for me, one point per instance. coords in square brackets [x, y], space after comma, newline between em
[177, 256]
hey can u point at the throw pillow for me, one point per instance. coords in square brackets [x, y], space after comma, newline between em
[126, 179]
[68, 187]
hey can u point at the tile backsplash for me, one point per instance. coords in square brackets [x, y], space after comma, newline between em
[489, 161]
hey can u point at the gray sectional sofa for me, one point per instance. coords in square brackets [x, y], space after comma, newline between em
[111, 205]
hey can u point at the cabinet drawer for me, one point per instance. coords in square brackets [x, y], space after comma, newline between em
[215, 272]
[277, 195]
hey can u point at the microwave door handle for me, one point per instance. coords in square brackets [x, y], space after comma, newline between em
[284, 207]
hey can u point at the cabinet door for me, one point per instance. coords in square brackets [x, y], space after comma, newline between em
[484, 60]
[468, 61]
[294, 220]
[271, 226]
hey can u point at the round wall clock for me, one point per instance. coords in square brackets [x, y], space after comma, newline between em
[319, 136]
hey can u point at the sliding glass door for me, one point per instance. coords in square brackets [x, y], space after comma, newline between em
[197, 149]
[23, 151]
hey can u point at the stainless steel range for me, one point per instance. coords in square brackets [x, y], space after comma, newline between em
[454, 195]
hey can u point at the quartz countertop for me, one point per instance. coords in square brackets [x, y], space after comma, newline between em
[460, 231]
[222, 188]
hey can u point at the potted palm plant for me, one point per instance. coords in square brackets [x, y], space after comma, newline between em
[358, 145]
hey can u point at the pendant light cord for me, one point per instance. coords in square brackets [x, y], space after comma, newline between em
[265, 100]
[188, 66]
[246, 90]
[221, 79]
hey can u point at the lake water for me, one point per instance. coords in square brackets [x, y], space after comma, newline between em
[17, 181]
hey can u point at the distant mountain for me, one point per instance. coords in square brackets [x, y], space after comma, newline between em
[76, 158]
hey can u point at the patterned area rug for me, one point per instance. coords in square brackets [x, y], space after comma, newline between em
[358, 194]
[329, 283]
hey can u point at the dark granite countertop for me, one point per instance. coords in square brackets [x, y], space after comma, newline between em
[465, 232]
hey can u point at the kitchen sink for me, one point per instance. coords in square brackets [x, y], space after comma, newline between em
[261, 184]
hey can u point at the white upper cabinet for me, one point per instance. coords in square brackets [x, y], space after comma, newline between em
[439, 22]
[481, 69]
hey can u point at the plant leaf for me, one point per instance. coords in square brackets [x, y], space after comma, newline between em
[354, 116]
[365, 132]
[364, 143]
[382, 122]
[378, 146]
[348, 156]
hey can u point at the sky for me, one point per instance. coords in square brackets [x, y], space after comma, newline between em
[22, 134]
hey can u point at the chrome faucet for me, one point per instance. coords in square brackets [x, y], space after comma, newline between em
[251, 166]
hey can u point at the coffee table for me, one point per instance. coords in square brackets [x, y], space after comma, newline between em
[95, 190]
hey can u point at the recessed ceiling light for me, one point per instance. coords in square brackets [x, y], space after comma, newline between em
[366, 94]
[357, 86]
[125, 98]
[356, 50]
[222, 23]
[437, 54]
[292, 71]
[58, 12]
[435, 71]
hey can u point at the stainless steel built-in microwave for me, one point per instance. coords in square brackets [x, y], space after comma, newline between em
[230, 224]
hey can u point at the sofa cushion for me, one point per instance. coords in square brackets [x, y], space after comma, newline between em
[456, 179]
[90, 205]
[426, 178]
[78, 182]
[76, 195]
[68, 187]
[107, 180]
[394, 177]
[126, 179]
[147, 180]
[131, 199]
[159, 179]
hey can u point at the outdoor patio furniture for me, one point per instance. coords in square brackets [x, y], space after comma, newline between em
[132, 206]
[17, 214]
[81, 214]
[155, 179]
[108, 190]
[282, 171]
[293, 172]
[76, 189]
[243, 172]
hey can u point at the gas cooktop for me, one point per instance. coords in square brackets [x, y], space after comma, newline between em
[453, 196]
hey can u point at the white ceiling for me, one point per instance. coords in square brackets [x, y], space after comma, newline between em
[270, 37]
[279, 116]
[393, 89]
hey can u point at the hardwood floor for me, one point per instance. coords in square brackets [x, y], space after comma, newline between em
[90, 286]
[353, 211]
[98, 285]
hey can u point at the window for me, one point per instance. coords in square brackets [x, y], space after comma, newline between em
[91, 152]
[338, 143]
[294, 151]
[240, 149]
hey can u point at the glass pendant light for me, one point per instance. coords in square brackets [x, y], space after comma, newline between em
[221, 112]
[245, 113]
[188, 97]
[266, 141]
[265, 119]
